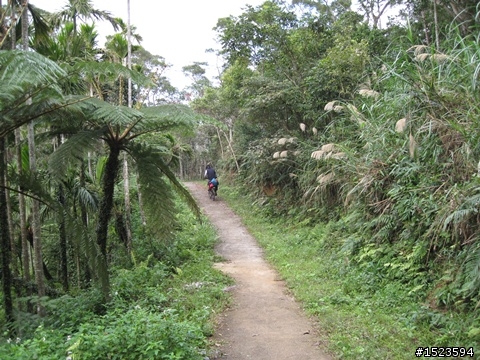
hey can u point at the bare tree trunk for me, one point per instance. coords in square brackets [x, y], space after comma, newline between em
[22, 214]
[126, 189]
[425, 29]
[220, 141]
[435, 16]
[36, 225]
[180, 164]
[13, 247]
[129, 54]
[63, 240]
[36, 230]
[79, 273]
[140, 206]
[126, 180]
[233, 152]
[5, 242]
[13, 33]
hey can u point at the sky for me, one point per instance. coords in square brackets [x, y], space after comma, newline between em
[180, 31]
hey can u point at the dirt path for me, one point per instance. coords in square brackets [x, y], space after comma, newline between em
[264, 322]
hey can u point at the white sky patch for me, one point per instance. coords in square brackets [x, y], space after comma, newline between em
[180, 31]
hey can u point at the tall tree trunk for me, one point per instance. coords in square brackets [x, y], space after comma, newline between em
[180, 165]
[13, 247]
[140, 206]
[63, 240]
[62, 229]
[129, 54]
[105, 212]
[126, 180]
[126, 189]
[220, 141]
[37, 242]
[437, 31]
[36, 225]
[425, 29]
[83, 209]
[22, 215]
[5, 242]
[13, 33]
[84, 216]
[120, 90]
[21, 198]
[232, 151]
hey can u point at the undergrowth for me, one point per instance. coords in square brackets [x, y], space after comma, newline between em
[362, 310]
[163, 307]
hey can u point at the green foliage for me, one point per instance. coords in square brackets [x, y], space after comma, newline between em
[137, 334]
[369, 301]
[384, 159]
[163, 307]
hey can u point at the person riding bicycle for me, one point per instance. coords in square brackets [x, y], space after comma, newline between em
[210, 174]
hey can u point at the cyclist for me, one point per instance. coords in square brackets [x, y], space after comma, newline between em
[210, 174]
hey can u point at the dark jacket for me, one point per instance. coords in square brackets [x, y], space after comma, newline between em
[210, 173]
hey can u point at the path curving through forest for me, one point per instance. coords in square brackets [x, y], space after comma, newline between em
[264, 323]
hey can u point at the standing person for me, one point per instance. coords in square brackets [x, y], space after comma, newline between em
[211, 175]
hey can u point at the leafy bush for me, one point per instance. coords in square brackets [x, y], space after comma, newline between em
[162, 307]
[138, 334]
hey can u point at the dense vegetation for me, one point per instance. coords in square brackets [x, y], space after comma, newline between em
[100, 255]
[368, 135]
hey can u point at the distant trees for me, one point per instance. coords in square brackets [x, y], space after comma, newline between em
[334, 118]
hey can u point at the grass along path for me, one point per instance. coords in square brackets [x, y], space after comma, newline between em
[361, 317]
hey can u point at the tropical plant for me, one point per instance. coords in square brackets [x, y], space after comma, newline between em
[121, 130]
[81, 10]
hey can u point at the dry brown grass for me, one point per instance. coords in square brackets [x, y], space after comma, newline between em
[412, 145]
[324, 179]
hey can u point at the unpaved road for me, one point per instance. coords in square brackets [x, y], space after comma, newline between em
[264, 323]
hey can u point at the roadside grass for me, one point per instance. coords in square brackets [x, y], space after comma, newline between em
[360, 315]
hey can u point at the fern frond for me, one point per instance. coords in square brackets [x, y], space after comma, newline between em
[151, 171]
[87, 198]
[115, 115]
[109, 70]
[468, 208]
[166, 118]
[75, 148]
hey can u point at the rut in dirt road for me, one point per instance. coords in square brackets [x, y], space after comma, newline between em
[264, 322]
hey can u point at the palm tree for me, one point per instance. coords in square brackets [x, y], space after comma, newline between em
[9, 34]
[81, 10]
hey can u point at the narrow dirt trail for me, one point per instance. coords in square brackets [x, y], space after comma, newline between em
[264, 323]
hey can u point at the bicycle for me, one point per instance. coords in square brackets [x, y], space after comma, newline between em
[212, 192]
[212, 188]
